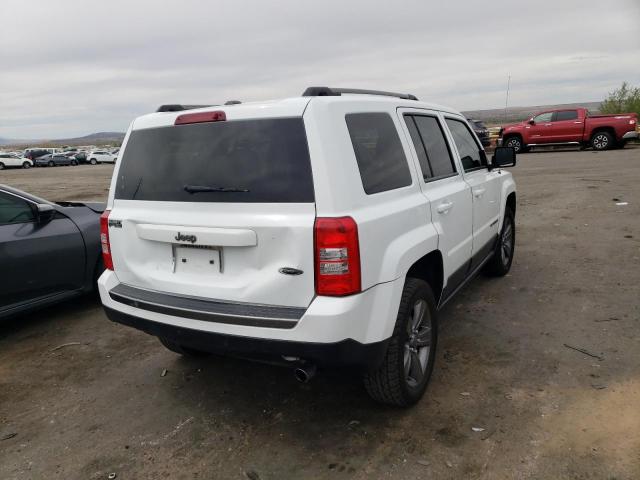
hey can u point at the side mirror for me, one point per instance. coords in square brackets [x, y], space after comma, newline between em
[532, 122]
[45, 213]
[503, 157]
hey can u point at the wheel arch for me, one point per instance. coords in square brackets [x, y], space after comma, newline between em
[509, 135]
[509, 199]
[430, 268]
[607, 129]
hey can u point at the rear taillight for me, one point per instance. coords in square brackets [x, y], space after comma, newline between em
[337, 256]
[200, 117]
[104, 240]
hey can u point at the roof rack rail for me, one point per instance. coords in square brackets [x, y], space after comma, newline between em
[336, 92]
[232, 102]
[178, 108]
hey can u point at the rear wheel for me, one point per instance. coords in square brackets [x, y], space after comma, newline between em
[500, 262]
[51, 164]
[74, 163]
[1, 166]
[515, 143]
[601, 141]
[182, 350]
[26, 165]
[404, 374]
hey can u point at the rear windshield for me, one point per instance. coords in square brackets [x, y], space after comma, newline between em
[264, 161]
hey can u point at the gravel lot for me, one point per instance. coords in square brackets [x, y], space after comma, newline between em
[103, 406]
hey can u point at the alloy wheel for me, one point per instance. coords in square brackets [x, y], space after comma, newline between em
[600, 141]
[506, 249]
[418, 344]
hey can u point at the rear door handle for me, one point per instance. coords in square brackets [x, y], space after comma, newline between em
[479, 192]
[444, 207]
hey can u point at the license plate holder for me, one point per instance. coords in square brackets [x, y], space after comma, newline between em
[197, 259]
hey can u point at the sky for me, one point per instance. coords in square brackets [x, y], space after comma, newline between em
[74, 67]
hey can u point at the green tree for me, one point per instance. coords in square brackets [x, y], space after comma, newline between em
[625, 99]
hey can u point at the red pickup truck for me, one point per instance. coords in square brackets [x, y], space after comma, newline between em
[571, 127]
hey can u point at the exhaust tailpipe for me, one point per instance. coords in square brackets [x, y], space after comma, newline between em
[304, 373]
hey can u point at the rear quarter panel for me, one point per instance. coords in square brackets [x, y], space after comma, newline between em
[619, 123]
[88, 222]
[394, 227]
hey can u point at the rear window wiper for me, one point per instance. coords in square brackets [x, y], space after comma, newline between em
[206, 188]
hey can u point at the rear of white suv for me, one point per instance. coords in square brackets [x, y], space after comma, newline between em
[283, 230]
[213, 241]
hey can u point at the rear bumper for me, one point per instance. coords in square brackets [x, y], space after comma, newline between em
[330, 331]
[347, 353]
[630, 135]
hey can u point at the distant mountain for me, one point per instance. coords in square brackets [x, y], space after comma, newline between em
[93, 138]
[497, 116]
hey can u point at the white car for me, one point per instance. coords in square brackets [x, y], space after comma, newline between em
[8, 160]
[101, 156]
[326, 230]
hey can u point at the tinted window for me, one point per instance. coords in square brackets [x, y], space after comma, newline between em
[543, 117]
[14, 210]
[467, 147]
[267, 159]
[566, 115]
[417, 143]
[435, 145]
[381, 160]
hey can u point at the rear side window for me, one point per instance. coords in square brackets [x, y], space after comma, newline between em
[435, 145]
[468, 149]
[566, 115]
[381, 160]
[265, 161]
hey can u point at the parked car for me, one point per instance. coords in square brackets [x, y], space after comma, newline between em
[8, 160]
[49, 252]
[54, 160]
[35, 153]
[101, 156]
[481, 131]
[571, 127]
[327, 230]
[81, 157]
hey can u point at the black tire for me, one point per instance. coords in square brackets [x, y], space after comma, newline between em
[93, 161]
[26, 165]
[516, 143]
[74, 163]
[392, 383]
[182, 350]
[502, 258]
[1, 166]
[602, 141]
[51, 164]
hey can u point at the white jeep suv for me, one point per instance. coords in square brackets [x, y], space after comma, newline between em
[326, 229]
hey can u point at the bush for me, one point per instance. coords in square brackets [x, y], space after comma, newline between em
[625, 99]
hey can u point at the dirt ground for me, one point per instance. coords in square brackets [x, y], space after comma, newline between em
[547, 411]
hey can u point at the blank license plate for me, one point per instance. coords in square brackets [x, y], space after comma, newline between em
[204, 261]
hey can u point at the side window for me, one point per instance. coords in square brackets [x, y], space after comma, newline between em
[436, 146]
[419, 146]
[381, 160]
[14, 210]
[468, 149]
[543, 117]
[566, 115]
